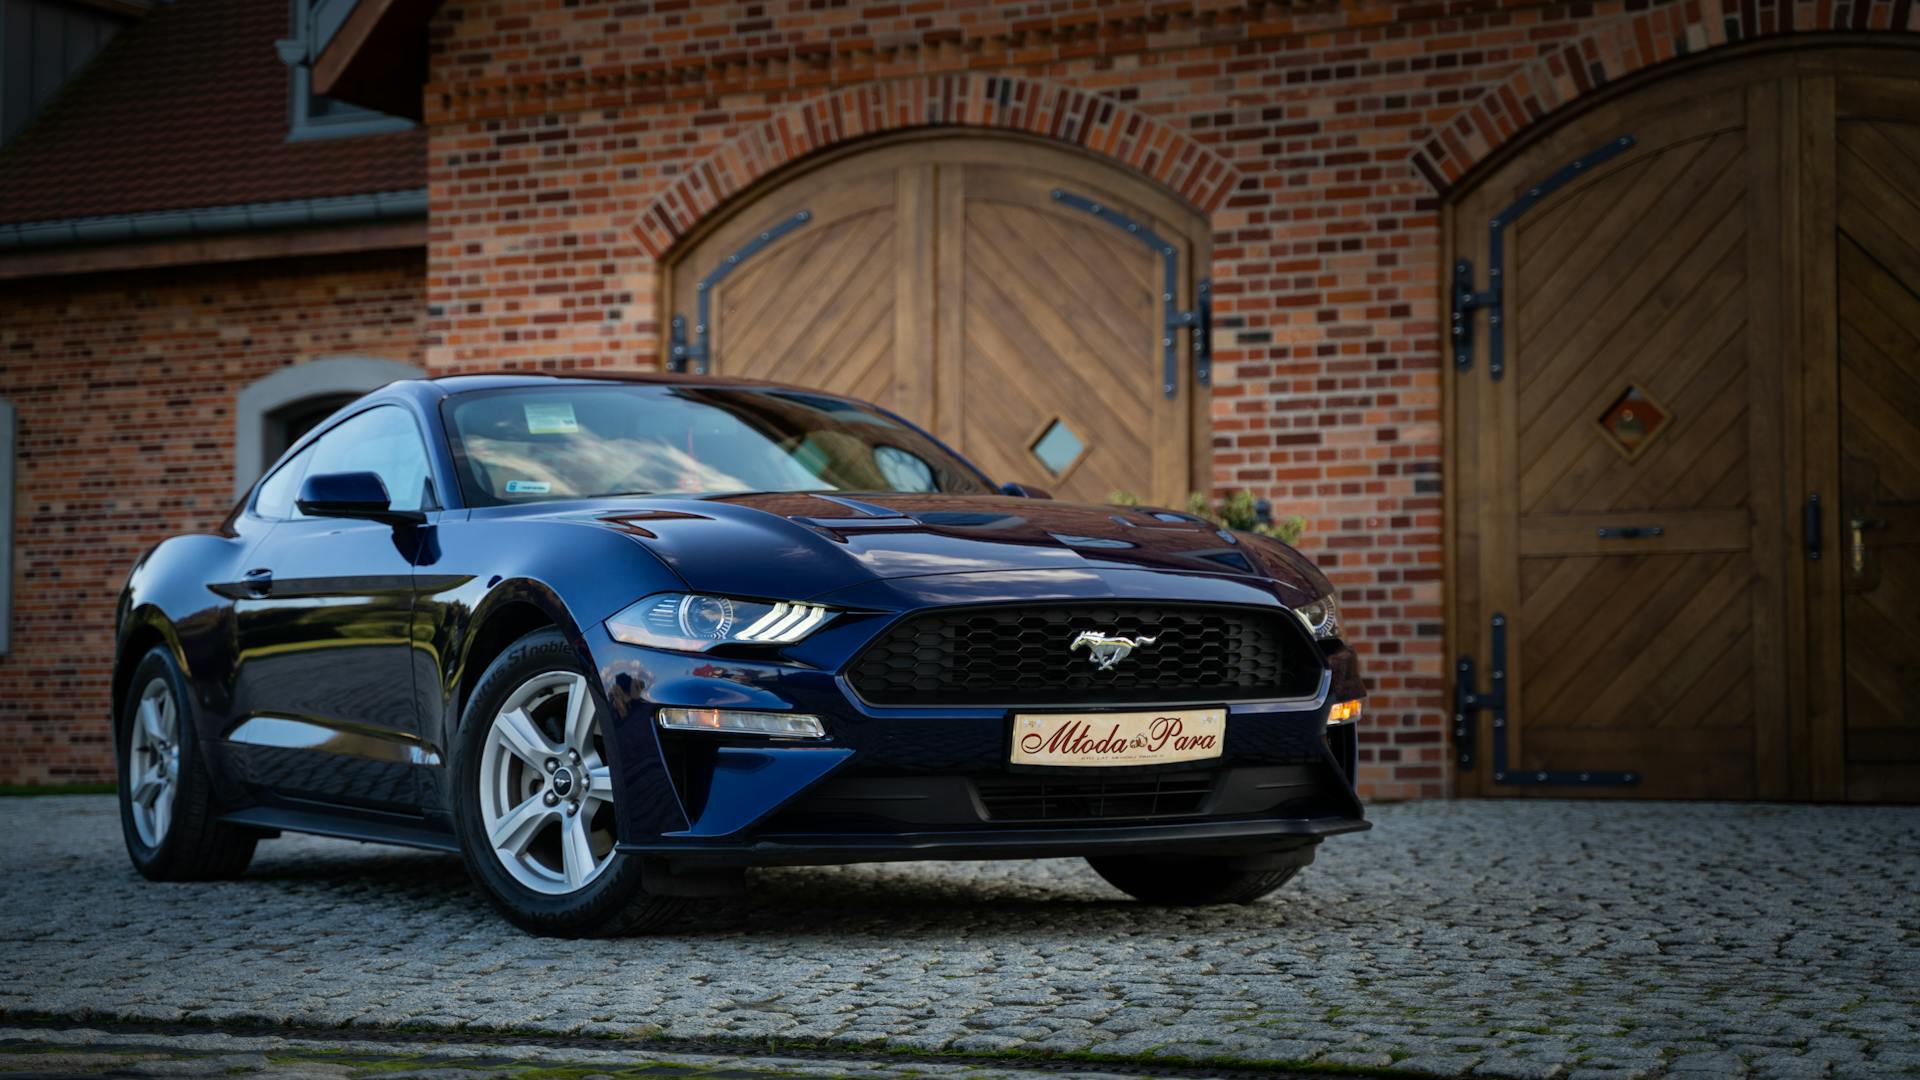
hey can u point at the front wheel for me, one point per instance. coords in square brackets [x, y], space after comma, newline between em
[534, 797]
[1193, 880]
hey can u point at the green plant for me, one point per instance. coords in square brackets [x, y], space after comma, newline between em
[1238, 511]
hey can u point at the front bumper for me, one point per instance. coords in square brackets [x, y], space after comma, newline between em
[894, 783]
[1186, 838]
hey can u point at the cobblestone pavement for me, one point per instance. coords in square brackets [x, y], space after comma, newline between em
[79, 1051]
[1521, 938]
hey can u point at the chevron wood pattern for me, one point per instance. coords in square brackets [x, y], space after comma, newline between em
[1753, 266]
[1878, 272]
[939, 277]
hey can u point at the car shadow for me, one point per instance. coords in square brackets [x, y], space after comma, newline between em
[1019, 899]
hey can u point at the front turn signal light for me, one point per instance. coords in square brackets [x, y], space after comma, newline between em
[1344, 712]
[742, 722]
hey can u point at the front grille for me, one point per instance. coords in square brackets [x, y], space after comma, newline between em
[1020, 655]
[1045, 800]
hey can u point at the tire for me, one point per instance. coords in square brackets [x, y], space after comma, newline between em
[555, 872]
[168, 813]
[1191, 881]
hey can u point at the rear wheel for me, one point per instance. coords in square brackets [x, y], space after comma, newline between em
[1191, 880]
[167, 809]
[535, 799]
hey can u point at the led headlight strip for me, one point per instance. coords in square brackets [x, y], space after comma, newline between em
[786, 623]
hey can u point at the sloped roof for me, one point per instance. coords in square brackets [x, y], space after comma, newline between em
[188, 108]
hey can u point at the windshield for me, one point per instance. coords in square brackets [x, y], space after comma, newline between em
[582, 441]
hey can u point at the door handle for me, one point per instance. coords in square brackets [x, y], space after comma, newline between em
[1812, 529]
[1859, 525]
[259, 582]
[1629, 532]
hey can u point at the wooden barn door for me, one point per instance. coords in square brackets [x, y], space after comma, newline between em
[1014, 297]
[1865, 436]
[1610, 477]
[1688, 366]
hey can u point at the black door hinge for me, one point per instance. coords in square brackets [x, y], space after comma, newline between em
[1466, 300]
[1465, 303]
[693, 353]
[1467, 701]
[1198, 321]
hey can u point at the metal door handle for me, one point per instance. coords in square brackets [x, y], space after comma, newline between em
[1629, 532]
[259, 582]
[1860, 525]
[1813, 528]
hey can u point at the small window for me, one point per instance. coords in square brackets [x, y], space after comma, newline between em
[385, 441]
[311, 115]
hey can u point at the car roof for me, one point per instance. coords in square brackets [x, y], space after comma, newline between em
[434, 389]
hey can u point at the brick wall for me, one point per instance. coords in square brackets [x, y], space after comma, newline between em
[557, 127]
[125, 387]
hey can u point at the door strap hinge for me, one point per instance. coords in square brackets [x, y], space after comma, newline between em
[683, 350]
[1466, 300]
[1198, 321]
[1467, 701]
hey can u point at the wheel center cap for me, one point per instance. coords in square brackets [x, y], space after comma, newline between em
[563, 782]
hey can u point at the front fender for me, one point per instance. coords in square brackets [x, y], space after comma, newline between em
[484, 581]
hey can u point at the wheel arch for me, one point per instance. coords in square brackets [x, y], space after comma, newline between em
[143, 629]
[510, 612]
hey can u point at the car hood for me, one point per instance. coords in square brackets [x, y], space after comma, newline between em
[799, 545]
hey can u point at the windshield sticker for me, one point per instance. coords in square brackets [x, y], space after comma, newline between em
[551, 418]
[528, 487]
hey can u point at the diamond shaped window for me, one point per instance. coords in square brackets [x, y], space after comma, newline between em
[1632, 420]
[1059, 448]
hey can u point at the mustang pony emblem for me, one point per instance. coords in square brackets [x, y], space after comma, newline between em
[1106, 651]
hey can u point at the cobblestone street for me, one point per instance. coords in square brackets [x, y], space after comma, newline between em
[1520, 938]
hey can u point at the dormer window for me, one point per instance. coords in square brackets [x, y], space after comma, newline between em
[311, 115]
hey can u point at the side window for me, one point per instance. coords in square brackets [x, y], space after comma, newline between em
[382, 440]
[277, 491]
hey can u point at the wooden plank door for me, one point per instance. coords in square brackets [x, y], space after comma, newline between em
[1052, 329]
[1618, 491]
[944, 277]
[1877, 277]
[829, 285]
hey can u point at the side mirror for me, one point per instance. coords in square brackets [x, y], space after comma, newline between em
[352, 495]
[1024, 491]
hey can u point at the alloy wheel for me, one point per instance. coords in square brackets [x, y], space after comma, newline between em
[546, 792]
[153, 761]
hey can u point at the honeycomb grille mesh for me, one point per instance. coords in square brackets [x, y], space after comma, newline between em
[1025, 799]
[1021, 656]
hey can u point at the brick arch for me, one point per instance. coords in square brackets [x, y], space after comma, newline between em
[1127, 136]
[1584, 65]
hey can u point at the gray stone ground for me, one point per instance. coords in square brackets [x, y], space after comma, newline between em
[1520, 939]
[69, 1052]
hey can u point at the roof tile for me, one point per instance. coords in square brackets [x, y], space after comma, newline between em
[188, 108]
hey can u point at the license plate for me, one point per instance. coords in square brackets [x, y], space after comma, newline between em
[1118, 738]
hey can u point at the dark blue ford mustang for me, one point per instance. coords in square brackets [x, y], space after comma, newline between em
[616, 640]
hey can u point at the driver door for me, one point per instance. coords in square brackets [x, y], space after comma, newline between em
[324, 686]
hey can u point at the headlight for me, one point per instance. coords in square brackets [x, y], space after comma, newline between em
[695, 622]
[1322, 618]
